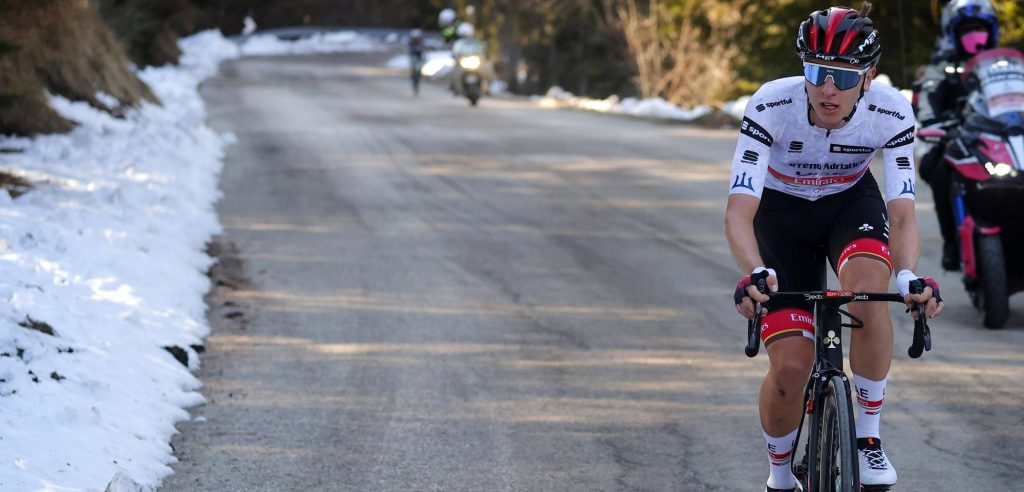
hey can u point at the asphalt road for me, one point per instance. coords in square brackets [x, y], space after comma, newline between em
[516, 298]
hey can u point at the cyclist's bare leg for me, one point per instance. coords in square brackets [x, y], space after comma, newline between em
[870, 346]
[781, 403]
[782, 392]
[870, 358]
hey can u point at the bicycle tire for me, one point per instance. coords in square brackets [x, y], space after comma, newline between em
[838, 464]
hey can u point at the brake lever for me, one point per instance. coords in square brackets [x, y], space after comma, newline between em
[754, 325]
[754, 332]
[922, 340]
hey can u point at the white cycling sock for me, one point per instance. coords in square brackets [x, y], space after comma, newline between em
[870, 397]
[780, 455]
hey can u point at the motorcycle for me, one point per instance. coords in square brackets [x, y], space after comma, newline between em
[986, 154]
[469, 63]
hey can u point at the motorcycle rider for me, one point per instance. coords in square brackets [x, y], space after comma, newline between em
[471, 67]
[448, 23]
[968, 27]
[453, 28]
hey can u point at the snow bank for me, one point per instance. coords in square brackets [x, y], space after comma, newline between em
[107, 251]
[655, 108]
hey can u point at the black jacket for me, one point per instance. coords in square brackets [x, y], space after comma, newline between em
[941, 93]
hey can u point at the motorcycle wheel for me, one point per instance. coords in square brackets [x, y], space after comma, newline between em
[995, 298]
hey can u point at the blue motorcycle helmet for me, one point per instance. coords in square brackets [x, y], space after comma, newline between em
[961, 16]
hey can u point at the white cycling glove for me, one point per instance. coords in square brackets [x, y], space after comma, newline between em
[903, 280]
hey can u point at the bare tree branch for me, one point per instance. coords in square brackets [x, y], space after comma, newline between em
[685, 65]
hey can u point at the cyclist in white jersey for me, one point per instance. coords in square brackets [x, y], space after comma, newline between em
[801, 193]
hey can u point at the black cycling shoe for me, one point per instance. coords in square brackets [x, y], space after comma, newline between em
[950, 257]
[769, 489]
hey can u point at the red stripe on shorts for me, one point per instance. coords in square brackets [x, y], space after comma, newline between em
[866, 247]
[785, 323]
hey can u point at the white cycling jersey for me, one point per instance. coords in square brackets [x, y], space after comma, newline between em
[780, 149]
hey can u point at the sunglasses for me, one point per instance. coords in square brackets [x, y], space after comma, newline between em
[843, 78]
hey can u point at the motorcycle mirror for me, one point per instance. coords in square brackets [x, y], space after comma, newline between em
[932, 135]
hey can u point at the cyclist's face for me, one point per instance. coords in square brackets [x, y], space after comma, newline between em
[829, 104]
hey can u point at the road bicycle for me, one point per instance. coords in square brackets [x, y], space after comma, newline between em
[829, 461]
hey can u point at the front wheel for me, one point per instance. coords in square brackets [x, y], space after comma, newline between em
[473, 94]
[994, 296]
[838, 466]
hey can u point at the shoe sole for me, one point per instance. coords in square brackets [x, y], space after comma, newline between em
[876, 488]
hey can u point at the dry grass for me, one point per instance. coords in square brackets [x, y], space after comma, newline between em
[65, 48]
[150, 28]
[14, 185]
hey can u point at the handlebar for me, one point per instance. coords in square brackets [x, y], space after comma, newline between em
[922, 339]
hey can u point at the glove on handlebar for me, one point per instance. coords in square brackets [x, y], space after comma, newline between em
[759, 273]
[904, 278]
[934, 284]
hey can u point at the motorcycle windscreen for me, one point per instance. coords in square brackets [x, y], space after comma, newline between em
[1001, 76]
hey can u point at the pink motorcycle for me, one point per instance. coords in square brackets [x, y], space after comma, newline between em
[986, 153]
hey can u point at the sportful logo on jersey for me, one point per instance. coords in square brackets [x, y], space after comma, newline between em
[773, 104]
[905, 137]
[850, 149]
[888, 112]
[743, 182]
[796, 146]
[903, 163]
[755, 131]
[749, 157]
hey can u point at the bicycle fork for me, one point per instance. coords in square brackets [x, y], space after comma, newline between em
[828, 363]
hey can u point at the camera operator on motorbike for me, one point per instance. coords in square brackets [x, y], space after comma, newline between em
[449, 23]
[968, 27]
[452, 30]
[472, 71]
[801, 192]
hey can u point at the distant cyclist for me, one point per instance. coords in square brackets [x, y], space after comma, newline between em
[801, 193]
[415, 59]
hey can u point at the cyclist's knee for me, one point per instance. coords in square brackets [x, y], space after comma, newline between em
[865, 274]
[790, 373]
[790, 361]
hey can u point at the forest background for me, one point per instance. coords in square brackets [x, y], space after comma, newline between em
[688, 52]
